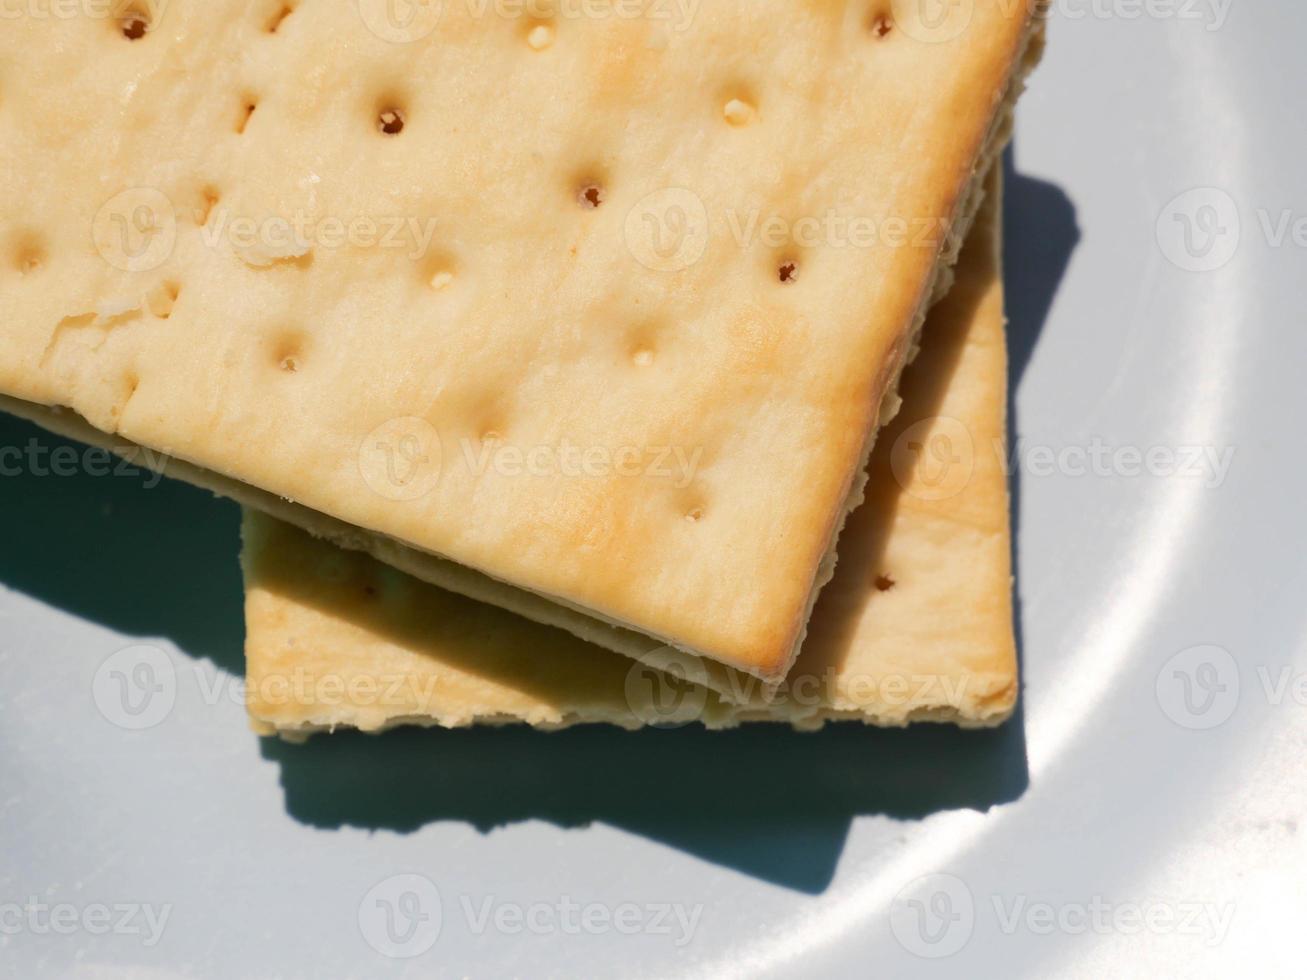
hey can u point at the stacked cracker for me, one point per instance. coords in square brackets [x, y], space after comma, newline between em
[585, 284]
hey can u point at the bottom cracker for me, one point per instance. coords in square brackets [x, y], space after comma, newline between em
[915, 625]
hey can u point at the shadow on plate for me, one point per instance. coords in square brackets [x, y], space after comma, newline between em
[762, 799]
[153, 560]
[1039, 236]
[111, 542]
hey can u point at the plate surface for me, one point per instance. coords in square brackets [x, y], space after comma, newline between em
[1142, 816]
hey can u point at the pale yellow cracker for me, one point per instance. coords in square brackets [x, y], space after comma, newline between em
[917, 623]
[376, 266]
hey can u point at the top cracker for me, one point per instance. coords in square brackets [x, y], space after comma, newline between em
[597, 300]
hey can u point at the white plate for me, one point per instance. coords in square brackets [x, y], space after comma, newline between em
[1141, 816]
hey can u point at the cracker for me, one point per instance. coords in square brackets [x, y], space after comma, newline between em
[917, 623]
[342, 261]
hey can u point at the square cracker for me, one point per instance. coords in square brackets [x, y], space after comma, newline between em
[917, 623]
[203, 202]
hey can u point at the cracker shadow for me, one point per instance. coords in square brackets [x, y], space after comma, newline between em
[160, 560]
[1040, 234]
[143, 556]
[864, 541]
[763, 800]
